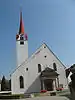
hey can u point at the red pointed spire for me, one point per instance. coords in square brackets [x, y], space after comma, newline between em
[21, 28]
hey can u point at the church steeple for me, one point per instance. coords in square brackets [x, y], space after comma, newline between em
[21, 43]
[21, 28]
[21, 32]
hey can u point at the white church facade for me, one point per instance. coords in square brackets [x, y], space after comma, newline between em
[42, 71]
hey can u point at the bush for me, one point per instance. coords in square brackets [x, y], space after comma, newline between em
[43, 91]
[5, 84]
[59, 89]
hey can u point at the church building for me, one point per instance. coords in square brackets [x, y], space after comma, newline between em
[41, 71]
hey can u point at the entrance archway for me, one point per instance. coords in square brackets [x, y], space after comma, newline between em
[48, 79]
[48, 83]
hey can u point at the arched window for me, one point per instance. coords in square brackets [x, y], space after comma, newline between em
[39, 68]
[54, 66]
[21, 79]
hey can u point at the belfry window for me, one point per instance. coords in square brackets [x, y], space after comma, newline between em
[54, 66]
[21, 80]
[21, 42]
[21, 38]
[39, 68]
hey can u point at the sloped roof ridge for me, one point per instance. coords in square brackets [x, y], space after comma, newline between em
[28, 59]
[33, 54]
[55, 56]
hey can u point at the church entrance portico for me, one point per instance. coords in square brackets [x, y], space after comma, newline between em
[48, 84]
[48, 79]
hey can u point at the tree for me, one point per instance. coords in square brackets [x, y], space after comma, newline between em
[72, 68]
[3, 84]
[10, 85]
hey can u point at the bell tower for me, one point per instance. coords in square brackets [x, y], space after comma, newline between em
[21, 44]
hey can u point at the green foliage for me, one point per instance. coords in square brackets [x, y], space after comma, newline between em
[15, 96]
[72, 68]
[36, 94]
[10, 85]
[5, 86]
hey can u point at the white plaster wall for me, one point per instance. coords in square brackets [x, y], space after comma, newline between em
[15, 83]
[31, 77]
[48, 62]
[21, 52]
[31, 80]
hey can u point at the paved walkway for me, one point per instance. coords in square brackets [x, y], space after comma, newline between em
[48, 98]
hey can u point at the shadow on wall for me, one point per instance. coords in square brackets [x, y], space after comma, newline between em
[35, 86]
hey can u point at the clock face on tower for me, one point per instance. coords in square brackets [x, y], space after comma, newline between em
[22, 37]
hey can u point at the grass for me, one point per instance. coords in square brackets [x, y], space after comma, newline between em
[17, 96]
[65, 93]
[36, 94]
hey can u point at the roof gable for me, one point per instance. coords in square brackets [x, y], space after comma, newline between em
[36, 52]
[55, 56]
[49, 72]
